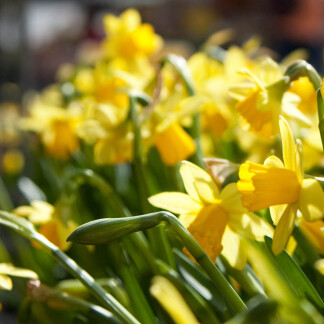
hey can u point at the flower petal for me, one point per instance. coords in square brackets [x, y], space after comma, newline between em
[250, 225]
[276, 212]
[175, 202]
[9, 269]
[288, 145]
[284, 229]
[273, 161]
[5, 282]
[311, 200]
[231, 199]
[198, 183]
[233, 249]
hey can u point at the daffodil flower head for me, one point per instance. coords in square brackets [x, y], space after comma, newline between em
[259, 98]
[56, 125]
[282, 187]
[128, 37]
[43, 214]
[214, 218]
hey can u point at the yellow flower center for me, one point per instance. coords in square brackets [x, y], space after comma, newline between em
[208, 228]
[262, 186]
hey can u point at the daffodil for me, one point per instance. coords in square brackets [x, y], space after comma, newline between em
[216, 219]
[56, 125]
[282, 187]
[50, 224]
[127, 37]
[259, 98]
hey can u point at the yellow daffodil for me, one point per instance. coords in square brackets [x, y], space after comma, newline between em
[214, 218]
[56, 125]
[127, 37]
[50, 224]
[259, 99]
[282, 187]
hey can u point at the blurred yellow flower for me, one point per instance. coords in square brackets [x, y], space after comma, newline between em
[43, 214]
[313, 232]
[7, 269]
[282, 187]
[13, 161]
[56, 125]
[172, 301]
[306, 92]
[127, 37]
[214, 218]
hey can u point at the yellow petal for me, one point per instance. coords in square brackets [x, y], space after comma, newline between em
[284, 229]
[231, 199]
[276, 212]
[5, 282]
[311, 200]
[319, 266]
[175, 202]
[24, 211]
[43, 206]
[172, 301]
[198, 183]
[233, 249]
[250, 225]
[273, 161]
[9, 269]
[289, 151]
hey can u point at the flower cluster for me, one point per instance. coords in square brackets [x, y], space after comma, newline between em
[230, 141]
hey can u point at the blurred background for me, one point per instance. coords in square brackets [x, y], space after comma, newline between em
[36, 37]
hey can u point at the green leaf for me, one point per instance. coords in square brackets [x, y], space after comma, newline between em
[199, 281]
[295, 276]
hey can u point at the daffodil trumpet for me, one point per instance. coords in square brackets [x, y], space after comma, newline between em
[180, 64]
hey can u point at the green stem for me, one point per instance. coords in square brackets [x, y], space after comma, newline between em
[180, 64]
[301, 68]
[126, 272]
[58, 300]
[246, 278]
[105, 230]
[136, 240]
[26, 229]
[5, 200]
[320, 110]
[157, 236]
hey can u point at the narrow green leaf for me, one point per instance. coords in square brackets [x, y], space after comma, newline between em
[296, 277]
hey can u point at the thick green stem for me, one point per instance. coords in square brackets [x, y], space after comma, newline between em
[62, 301]
[105, 230]
[157, 236]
